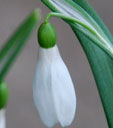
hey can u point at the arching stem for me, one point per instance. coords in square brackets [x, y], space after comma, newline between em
[89, 31]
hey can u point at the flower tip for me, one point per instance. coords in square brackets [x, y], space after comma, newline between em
[36, 14]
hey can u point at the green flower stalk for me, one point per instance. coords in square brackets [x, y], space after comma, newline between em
[89, 30]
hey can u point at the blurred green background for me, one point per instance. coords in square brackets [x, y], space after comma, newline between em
[21, 112]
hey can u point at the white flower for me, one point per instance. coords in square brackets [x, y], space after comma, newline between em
[53, 90]
[2, 118]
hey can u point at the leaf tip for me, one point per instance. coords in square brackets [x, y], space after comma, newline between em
[36, 14]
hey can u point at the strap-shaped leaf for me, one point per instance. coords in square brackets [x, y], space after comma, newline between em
[13, 46]
[101, 64]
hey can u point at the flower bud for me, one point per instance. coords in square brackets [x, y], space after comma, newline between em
[47, 35]
[3, 95]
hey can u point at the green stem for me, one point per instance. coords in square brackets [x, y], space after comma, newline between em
[93, 35]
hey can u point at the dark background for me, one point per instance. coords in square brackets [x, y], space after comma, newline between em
[21, 112]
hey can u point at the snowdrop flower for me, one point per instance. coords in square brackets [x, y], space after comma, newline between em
[3, 102]
[2, 118]
[53, 89]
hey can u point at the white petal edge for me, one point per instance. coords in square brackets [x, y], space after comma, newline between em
[42, 88]
[2, 119]
[63, 92]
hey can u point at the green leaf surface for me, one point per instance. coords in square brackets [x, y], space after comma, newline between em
[13, 46]
[101, 64]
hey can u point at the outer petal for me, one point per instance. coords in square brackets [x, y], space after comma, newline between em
[42, 89]
[63, 93]
[2, 118]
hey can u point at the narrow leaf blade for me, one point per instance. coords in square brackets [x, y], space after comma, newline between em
[14, 45]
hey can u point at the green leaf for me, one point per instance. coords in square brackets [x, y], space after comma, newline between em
[101, 64]
[13, 46]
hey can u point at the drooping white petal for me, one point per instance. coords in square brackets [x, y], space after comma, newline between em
[2, 119]
[53, 90]
[42, 88]
[63, 93]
